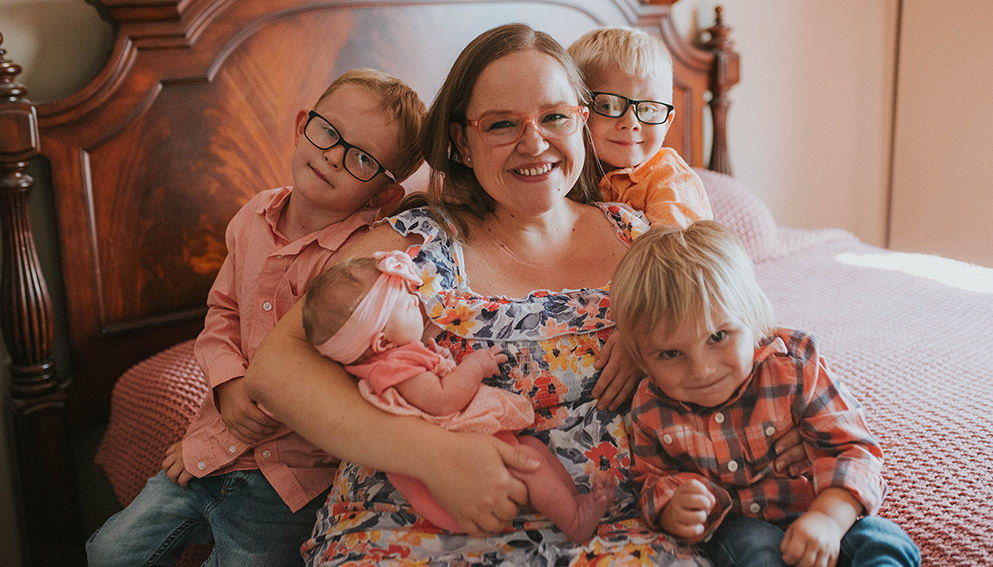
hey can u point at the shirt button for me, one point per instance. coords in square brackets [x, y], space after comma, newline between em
[266, 454]
[733, 466]
[719, 418]
[754, 508]
[667, 439]
[770, 431]
[201, 465]
[267, 306]
[232, 448]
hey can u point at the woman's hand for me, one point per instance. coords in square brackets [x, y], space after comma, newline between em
[174, 467]
[240, 415]
[685, 516]
[470, 477]
[790, 455]
[619, 374]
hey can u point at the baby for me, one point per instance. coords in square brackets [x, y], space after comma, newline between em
[365, 314]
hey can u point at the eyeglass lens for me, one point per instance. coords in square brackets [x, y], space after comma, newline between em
[614, 106]
[508, 128]
[322, 134]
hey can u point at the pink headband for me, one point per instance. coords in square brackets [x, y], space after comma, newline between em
[372, 313]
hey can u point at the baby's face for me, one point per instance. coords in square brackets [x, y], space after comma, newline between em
[406, 323]
[625, 141]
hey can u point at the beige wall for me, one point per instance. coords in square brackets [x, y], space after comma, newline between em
[943, 158]
[810, 126]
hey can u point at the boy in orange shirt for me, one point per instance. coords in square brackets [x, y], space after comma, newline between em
[240, 478]
[629, 74]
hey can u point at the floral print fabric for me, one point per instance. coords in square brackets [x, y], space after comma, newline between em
[551, 340]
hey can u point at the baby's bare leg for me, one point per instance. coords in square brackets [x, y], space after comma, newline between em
[553, 493]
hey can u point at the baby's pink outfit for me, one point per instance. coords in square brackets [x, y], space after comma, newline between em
[491, 411]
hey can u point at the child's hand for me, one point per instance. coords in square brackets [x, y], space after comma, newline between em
[487, 361]
[812, 541]
[619, 374]
[240, 415]
[173, 465]
[434, 347]
[685, 516]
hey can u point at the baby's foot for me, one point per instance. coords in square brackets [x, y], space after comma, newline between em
[591, 506]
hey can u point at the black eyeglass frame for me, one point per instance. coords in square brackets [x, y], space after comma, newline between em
[341, 142]
[628, 102]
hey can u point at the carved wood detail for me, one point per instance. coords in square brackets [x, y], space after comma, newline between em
[48, 499]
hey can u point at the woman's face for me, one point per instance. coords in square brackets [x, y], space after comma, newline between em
[535, 173]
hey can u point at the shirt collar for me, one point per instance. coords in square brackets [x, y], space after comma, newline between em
[330, 237]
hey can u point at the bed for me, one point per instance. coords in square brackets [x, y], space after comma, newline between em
[191, 116]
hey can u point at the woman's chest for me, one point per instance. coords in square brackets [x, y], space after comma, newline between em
[493, 269]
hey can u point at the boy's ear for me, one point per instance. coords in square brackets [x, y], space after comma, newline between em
[387, 196]
[301, 123]
[668, 122]
[457, 132]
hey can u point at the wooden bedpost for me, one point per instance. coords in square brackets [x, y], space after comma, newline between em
[44, 468]
[724, 75]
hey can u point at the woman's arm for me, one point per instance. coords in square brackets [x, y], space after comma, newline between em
[315, 397]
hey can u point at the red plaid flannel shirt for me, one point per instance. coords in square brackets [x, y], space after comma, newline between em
[730, 448]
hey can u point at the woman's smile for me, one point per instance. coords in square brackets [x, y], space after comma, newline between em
[534, 170]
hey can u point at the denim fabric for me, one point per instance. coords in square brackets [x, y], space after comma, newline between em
[239, 511]
[741, 541]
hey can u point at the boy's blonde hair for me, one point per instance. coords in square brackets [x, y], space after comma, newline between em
[671, 275]
[333, 296]
[635, 52]
[401, 103]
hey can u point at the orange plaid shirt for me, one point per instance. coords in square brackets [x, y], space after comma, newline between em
[665, 188]
[730, 447]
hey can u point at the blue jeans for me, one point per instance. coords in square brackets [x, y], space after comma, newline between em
[239, 511]
[741, 541]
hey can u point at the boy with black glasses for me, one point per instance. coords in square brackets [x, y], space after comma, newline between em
[240, 478]
[630, 75]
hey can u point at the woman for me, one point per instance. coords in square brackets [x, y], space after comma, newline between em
[509, 228]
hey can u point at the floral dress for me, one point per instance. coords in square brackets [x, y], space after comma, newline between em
[551, 340]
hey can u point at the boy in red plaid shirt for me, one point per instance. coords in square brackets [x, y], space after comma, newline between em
[723, 385]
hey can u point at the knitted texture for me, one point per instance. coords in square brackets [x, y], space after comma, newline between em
[151, 406]
[913, 347]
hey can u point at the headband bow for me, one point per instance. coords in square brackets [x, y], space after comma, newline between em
[370, 316]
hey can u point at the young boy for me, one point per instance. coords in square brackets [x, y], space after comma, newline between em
[723, 385]
[630, 75]
[240, 478]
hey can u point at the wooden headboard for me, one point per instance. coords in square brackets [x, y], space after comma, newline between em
[190, 117]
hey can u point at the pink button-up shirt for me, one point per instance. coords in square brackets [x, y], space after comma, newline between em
[263, 275]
